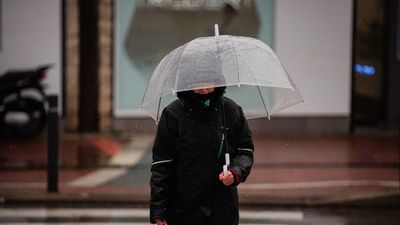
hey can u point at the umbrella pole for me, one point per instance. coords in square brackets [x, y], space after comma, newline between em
[227, 158]
[224, 134]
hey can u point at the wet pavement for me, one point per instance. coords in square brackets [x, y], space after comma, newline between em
[311, 170]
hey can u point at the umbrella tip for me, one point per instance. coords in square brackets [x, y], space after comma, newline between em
[216, 30]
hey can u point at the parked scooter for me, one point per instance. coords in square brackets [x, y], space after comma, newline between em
[23, 102]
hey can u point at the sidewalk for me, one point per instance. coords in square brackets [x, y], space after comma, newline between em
[288, 170]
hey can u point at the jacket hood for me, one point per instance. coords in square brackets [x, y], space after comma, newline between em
[199, 101]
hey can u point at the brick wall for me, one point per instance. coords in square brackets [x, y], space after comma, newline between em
[71, 39]
[105, 25]
[72, 63]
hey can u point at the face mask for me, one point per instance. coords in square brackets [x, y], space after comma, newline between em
[204, 97]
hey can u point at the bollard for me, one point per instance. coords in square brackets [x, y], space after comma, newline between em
[52, 144]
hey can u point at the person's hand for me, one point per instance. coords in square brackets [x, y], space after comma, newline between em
[226, 178]
[161, 222]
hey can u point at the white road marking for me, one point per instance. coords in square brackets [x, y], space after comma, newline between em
[133, 153]
[317, 184]
[272, 215]
[128, 156]
[124, 212]
[71, 212]
[97, 178]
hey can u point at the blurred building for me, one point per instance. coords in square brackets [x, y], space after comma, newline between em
[343, 55]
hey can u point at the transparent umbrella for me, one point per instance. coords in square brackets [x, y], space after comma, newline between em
[250, 70]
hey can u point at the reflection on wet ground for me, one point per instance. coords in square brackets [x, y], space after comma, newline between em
[287, 168]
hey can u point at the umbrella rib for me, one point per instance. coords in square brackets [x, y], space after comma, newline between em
[168, 57]
[204, 46]
[179, 64]
[244, 42]
[216, 52]
[227, 49]
[267, 52]
[262, 99]
[247, 49]
[158, 108]
[145, 91]
[236, 60]
[162, 89]
[258, 88]
[224, 43]
[231, 38]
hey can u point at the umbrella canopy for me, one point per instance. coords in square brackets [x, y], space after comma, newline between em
[250, 70]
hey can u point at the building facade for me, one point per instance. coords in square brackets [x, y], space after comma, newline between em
[343, 55]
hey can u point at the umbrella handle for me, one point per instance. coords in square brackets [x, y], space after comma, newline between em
[227, 162]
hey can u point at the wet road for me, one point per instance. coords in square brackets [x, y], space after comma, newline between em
[136, 216]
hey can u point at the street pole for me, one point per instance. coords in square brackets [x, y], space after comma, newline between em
[52, 144]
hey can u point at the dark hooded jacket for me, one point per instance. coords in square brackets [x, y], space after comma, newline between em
[188, 157]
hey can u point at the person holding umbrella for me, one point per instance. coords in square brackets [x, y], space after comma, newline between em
[203, 147]
[188, 184]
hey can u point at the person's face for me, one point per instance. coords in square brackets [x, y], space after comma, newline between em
[203, 91]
